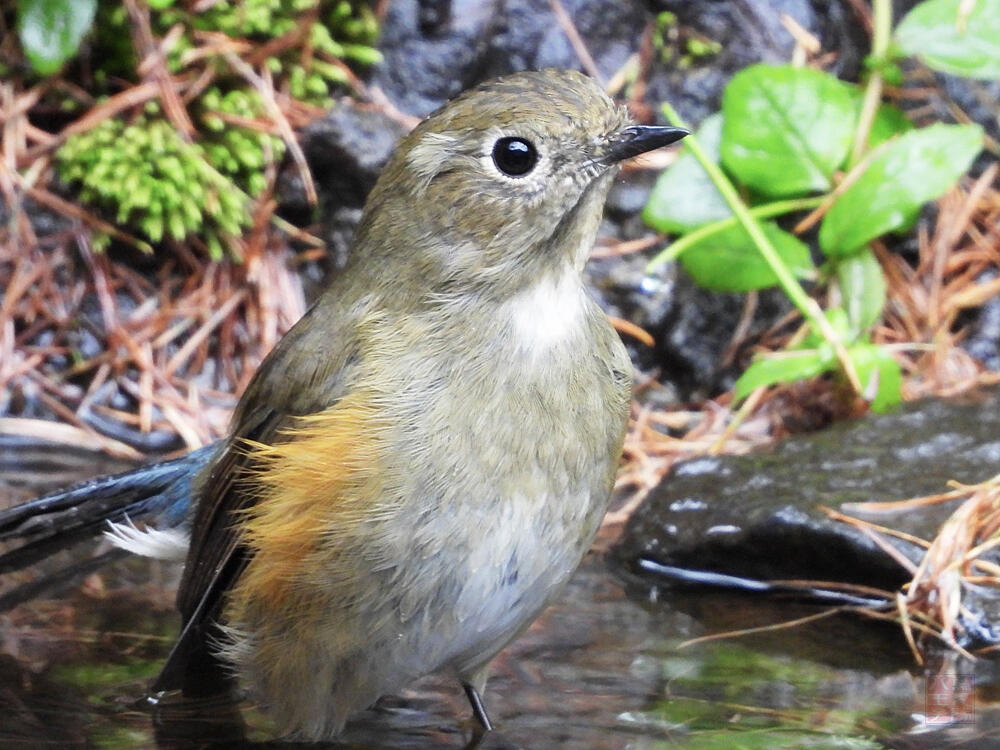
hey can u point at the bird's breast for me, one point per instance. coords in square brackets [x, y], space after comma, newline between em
[506, 441]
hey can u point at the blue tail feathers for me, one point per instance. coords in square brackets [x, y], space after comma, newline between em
[159, 494]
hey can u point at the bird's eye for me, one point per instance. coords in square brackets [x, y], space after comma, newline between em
[515, 157]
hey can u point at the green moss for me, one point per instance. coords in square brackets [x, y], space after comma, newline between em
[93, 678]
[150, 178]
[240, 153]
[343, 30]
[144, 176]
[700, 47]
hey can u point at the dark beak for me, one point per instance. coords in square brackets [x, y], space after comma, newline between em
[638, 139]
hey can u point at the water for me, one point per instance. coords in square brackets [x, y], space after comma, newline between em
[601, 670]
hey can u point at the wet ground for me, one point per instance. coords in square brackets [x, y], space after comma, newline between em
[600, 670]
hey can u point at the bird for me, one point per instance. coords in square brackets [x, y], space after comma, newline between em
[420, 464]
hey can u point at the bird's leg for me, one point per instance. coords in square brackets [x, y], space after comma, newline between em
[478, 708]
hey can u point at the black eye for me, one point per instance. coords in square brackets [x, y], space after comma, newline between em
[514, 157]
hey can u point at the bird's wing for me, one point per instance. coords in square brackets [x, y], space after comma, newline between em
[308, 372]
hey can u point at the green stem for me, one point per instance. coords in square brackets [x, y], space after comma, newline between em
[882, 20]
[882, 10]
[809, 308]
[766, 211]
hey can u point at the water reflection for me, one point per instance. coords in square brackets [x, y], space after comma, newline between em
[599, 671]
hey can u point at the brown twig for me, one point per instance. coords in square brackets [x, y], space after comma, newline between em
[576, 41]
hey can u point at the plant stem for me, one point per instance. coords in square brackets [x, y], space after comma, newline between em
[809, 308]
[882, 21]
[766, 211]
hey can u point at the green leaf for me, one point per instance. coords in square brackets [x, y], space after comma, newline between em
[966, 46]
[889, 121]
[51, 30]
[684, 197]
[917, 167]
[839, 322]
[786, 130]
[728, 261]
[862, 287]
[784, 367]
[880, 375]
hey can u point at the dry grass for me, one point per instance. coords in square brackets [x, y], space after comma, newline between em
[930, 606]
[169, 347]
[173, 347]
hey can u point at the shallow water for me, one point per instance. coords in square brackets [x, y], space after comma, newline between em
[599, 670]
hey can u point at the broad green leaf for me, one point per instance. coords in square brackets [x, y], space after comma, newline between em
[862, 288]
[786, 130]
[51, 30]
[917, 167]
[945, 39]
[889, 121]
[880, 375]
[684, 197]
[728, 261]
[784, 367]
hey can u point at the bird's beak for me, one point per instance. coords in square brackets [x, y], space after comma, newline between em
[638, 139]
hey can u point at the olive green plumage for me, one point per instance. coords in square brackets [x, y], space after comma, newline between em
[420, 464]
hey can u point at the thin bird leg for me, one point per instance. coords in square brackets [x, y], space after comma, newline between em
[478, 708]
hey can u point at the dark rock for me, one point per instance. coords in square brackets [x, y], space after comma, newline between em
[693, 327]
[757, 517]
[977, 99]
[746, 32]
[983, 329]
[435, 50]
[931, 97]
[696, 329]
[432, 51]
[44, 222]
[346, 150]
[628, 197]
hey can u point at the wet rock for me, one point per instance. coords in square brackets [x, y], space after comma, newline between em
[757, 517]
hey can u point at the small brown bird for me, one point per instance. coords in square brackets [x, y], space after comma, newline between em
[420, 464]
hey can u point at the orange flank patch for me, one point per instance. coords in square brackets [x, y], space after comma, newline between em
[312, 483]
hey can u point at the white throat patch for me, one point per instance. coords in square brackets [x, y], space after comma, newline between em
[548, 312]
